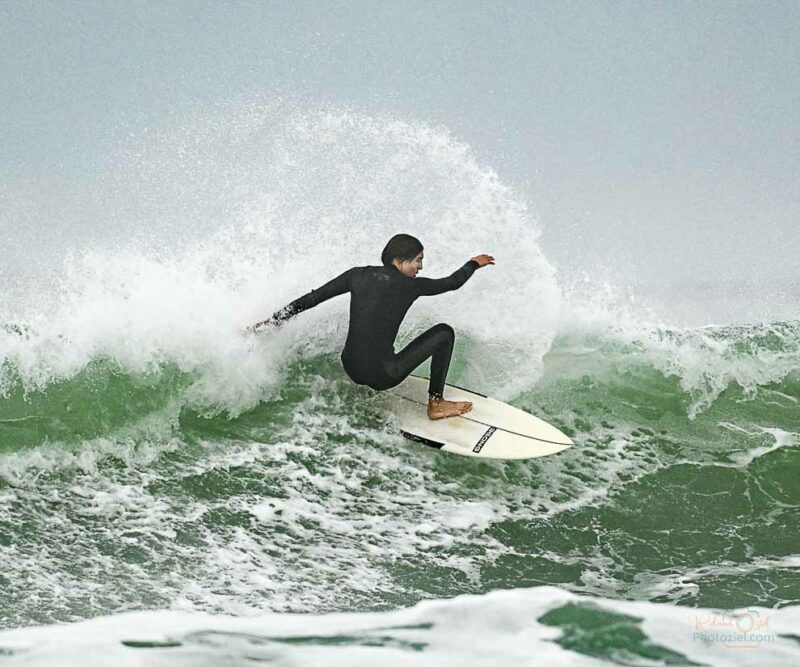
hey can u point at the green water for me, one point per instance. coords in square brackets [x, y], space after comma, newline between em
[116, 494]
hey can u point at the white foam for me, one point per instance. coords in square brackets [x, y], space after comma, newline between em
[781, 439]
[499, 627]
[686, 583]
[237, 210]
[625, 333]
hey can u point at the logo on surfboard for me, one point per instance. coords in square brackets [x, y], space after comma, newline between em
[477, 448]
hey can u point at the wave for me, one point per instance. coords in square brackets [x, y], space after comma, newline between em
[153, 456]
[237, 209]
[643, 373]
[519, 626]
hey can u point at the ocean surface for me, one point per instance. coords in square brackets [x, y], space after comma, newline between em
[175, 492]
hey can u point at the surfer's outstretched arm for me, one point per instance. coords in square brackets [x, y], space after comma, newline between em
[335, 287]
[432, 286]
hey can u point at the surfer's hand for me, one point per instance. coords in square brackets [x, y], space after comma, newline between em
[483, 260]
[260, 326]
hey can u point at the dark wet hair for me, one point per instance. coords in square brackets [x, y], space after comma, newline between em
[401, 246]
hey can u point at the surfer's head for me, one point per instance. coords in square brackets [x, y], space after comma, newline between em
[404, 252]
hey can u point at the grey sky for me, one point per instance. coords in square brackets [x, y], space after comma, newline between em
[658, 140]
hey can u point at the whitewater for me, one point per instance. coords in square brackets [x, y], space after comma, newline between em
[174, 490]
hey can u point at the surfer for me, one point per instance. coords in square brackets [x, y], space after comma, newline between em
[380, 298]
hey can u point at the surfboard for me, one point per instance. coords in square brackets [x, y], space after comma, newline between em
[491, 430]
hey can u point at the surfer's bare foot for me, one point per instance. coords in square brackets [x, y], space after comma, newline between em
[438, 408]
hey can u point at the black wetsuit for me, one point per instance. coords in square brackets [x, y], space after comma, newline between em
[380, 299]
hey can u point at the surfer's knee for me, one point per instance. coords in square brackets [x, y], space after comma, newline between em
[446, 329]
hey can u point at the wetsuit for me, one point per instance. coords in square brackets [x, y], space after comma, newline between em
[380, 298]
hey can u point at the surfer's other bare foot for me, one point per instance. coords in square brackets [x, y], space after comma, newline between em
[438, 408]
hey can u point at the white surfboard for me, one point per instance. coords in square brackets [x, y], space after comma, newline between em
[491, 430]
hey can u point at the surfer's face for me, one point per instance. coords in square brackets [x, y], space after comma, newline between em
[409, 267]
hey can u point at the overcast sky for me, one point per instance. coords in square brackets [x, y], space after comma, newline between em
[660, 139]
